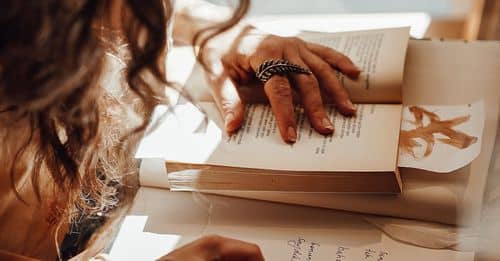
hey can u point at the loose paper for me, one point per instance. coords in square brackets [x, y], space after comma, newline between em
[440, 138]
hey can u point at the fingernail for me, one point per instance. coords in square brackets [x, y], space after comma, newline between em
[350, 105]
[292, 134]
[327, 124]
[228, 120]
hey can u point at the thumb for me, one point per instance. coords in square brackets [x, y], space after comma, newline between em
[228, 101]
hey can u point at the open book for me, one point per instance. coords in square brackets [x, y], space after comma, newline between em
[361, 156]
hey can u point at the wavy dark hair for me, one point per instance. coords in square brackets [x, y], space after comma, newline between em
[51, 69]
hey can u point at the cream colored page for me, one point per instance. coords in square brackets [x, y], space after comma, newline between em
[441, 138]
[455, 199]
[367, 142]
[380, 54]
[161, 221]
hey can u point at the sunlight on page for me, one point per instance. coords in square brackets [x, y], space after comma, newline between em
[132, 243]
[289, 25]
[183, 135]
[189, 135]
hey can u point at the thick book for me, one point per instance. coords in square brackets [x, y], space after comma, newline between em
[361, 156]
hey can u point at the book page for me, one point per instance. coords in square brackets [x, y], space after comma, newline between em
[455, 198]
[367, 142]
[380, 54]
[161, 221]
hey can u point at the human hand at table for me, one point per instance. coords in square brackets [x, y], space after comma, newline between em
[211, 248]
[250, 51]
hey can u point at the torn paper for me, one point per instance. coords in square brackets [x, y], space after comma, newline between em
[440, 138]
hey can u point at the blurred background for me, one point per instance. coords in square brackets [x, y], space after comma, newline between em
[449, 19]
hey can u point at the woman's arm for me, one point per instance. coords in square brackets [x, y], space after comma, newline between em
[211, 248]
[5, 255]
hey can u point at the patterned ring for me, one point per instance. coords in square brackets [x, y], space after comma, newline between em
[271, 67]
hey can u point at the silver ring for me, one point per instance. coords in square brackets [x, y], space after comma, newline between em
[272, 67]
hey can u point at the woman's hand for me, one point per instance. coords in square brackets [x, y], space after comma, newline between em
[211, 248]
[248, 53]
